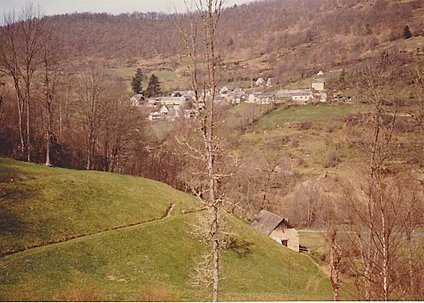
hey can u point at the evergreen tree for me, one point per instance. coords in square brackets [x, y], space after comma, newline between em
[136, 82]
[153, 88]
[407, 32]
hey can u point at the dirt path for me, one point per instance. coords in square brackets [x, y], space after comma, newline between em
[169, 210]
[167, 214]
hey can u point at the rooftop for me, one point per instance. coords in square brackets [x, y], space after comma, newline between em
[267, 221]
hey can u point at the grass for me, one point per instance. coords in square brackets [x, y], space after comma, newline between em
[309, 135]
[43, 204]
[148, 262]
[311, 145]
[249, 110]
[302, 83]
[321, 112]
[314, 240]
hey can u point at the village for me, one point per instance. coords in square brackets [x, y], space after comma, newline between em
[181, 105]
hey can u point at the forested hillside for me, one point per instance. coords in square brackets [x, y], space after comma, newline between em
[280, 34]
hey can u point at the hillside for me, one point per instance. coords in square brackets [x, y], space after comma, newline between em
[99, 236]
[287, 39]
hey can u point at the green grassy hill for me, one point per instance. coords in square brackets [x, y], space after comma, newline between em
[78, 235]
[321, 112]
[311, 135]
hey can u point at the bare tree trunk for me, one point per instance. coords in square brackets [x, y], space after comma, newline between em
[49, 133]
[411, 270]
[210, 11]
[49, 90]
[60, 118]
[28, 125]
[215, 253]
[385, 249]
[335, 258]
[20, 105]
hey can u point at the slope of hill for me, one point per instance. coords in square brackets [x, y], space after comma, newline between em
[279, 38]
[99, 236]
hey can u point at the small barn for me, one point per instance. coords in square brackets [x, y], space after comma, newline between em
[277, 228]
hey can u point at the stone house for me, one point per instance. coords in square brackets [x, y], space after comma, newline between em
[234, 96]
[271, 82]
[179, 101]
[155, 116]
[137, 100]
[225, 90]
[260, 82]
[318, 84]
[261, 98]
[302, 98]
[277, 228]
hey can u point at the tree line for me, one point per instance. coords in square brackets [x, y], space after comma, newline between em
[64, 114]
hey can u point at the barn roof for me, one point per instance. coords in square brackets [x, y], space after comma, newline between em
[267, 221]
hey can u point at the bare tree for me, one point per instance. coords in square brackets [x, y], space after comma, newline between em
[335, 260]
[411, 196]
[20, 49]
[50, 83]
[205, 90]
[379, 210]
[119, 122]
[2, 97]
[417, 111]
[92, 90]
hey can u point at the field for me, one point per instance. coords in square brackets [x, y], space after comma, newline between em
[321, 112]
[100, 236]
[313, 240]
[311, 135]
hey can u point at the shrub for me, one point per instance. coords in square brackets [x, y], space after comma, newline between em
[333, 159]
[305, 126]
[407, 32]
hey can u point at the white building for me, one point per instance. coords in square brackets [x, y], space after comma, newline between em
[318, 84]
[261, 98]
[260, 82]
[302, 98]
[137, 100]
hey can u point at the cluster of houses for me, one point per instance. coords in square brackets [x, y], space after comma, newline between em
[232, 95]
[180, 103]
[304, 96]
[316, 93]
[166, 108]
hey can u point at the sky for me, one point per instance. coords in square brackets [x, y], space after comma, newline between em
[53, 7]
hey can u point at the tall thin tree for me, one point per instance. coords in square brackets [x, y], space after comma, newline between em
[50, 82]
[202, 67]
[20, 57]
